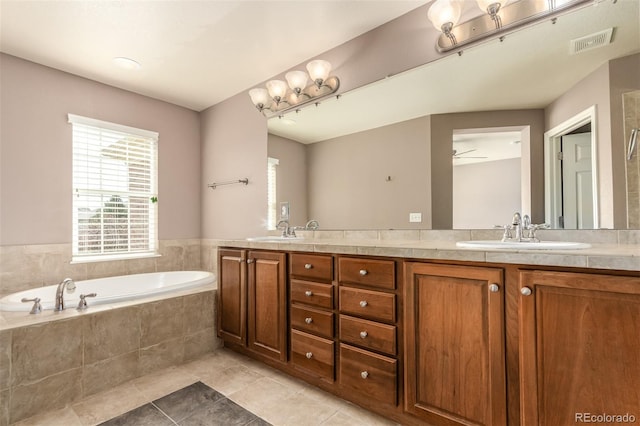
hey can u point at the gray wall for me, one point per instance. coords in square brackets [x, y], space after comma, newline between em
[484, 195]
[348, 178]
[35, 151]
[291, 176]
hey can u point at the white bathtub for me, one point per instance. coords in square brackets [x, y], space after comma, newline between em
[111, 290]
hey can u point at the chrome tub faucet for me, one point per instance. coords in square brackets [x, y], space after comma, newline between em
[67, 284]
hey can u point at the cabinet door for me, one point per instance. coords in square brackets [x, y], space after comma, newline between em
[454, 344]
[267, 304]
[579, 347]
[232, 296]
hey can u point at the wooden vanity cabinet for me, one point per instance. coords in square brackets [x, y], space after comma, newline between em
[252, 301]
[311, 293]
[454, 344]
[579, 346]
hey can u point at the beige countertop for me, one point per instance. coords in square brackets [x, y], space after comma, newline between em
[609, 249]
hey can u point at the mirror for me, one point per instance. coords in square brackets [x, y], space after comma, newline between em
[380, 156]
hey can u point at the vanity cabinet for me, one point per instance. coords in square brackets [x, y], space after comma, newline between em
[579, 346]
[368, 329]
[311, 307]
[455, 344]
[252, 301]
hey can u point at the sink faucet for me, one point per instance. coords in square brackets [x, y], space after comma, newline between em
[287, 230]
[517, 224]
[67, 283]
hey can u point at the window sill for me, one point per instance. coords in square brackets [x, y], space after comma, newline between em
[112, 257]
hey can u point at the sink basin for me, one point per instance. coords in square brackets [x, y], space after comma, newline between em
[275, 239]
[523, 245]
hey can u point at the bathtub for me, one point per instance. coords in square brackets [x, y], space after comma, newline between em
[111, 290]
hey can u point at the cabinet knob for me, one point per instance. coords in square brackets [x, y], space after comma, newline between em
[308, 320]
[364, 374]
[249, 260]
[363, 272]
[308, 266]
[526, 291]
[363, 334]
[494, 288]
[308, 293]
[363, 303]
[309, 355]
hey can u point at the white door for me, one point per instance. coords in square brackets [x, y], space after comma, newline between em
[577, 184]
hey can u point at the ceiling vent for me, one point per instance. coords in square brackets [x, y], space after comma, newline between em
[592, 41]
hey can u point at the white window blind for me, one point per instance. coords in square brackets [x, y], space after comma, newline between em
[114, 190]
[272, 214]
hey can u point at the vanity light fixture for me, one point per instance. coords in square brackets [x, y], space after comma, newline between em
[280, 97]
[501, 16]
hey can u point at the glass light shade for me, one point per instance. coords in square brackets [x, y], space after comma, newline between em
[444, 12]
[277, 89]
[484, 4]
[259, 96]
[319, 70]
[297, 80]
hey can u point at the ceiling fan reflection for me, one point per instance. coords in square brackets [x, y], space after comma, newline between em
[455, 154]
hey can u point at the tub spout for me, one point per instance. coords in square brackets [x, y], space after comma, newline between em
[68, 284]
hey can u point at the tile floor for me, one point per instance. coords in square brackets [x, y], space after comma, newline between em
[269, 394]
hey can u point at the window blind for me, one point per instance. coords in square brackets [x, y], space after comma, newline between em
[272, 212]
[114, 189]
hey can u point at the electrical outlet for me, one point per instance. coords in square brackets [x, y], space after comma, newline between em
[415, 217]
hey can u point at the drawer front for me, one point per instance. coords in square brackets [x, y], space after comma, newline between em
[313, 354]
[370, 334]
[370, 272]
[370, 374]
[311, 266]
[312, 320]
[369, 304]
[315, 294]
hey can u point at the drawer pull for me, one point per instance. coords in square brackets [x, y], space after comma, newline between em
[309, 355]
[363, 303]
[526, 291]
[363, 334]
[308, 266]
[308, 293]
[308, 320]
[363, 272]
[364, 374]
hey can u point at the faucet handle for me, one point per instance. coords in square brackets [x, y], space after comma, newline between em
[507, 231]
[534, 227]
[36, 308]
[82, 304]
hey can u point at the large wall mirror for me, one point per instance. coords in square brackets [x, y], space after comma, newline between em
[462, 142]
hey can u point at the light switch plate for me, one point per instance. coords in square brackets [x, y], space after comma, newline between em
[415, 217]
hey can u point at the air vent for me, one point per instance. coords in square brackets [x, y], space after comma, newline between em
[591, 41]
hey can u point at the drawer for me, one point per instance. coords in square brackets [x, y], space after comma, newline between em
[311, 266]
[369, 374]
[312, 320]
[369, 304]
[312, 293]
[370, 334]
[313, 354]
[370, 272]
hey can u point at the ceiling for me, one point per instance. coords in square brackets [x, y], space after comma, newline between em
[193, 53]
[529, 69]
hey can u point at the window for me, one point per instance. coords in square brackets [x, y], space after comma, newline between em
[114, 190]
[272, 212]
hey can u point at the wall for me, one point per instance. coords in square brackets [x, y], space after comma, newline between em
[36, 156]
[234, 146]
[35, 174]
[632, 166]
[348, 178]
[291, 176]
[442, 127]
[483, 203]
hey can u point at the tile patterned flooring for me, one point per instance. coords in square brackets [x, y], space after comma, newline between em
[268, 395]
